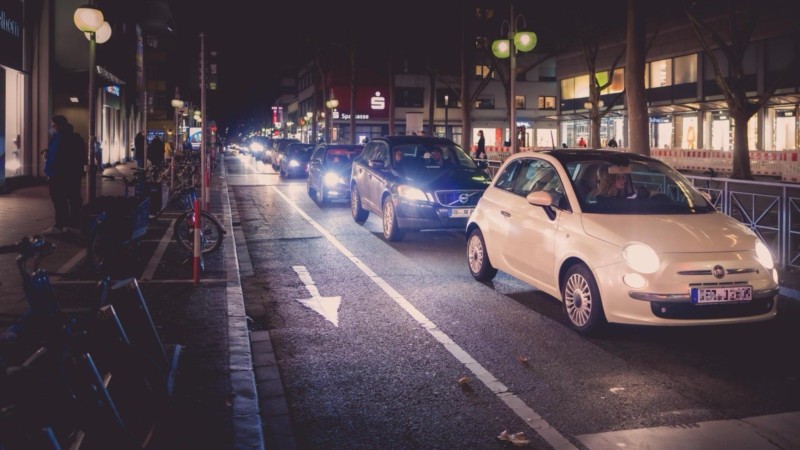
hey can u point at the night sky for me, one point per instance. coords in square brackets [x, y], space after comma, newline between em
[254, 38]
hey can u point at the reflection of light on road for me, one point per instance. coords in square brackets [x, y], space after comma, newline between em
[516, 404]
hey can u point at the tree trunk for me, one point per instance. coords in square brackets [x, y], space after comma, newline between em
[635, 95]
[741, 147]
[466, 122]
[594, 118]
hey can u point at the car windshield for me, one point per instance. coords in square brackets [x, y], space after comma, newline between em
[633, 186]
[425, 156]
[299, 153]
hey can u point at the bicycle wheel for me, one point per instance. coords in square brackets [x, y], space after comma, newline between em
[211, 232]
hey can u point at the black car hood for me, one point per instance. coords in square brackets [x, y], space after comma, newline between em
[445, 179]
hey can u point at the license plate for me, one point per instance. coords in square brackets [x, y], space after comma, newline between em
[460, 212]
[703, 296]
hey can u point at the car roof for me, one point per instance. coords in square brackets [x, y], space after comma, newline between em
[405, 139]
[565, 155]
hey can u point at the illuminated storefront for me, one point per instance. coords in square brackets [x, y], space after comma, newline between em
[12, 92]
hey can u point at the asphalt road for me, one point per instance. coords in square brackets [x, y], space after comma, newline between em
[394, 345]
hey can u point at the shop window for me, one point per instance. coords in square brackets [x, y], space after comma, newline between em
[546, 102]
[686, 69]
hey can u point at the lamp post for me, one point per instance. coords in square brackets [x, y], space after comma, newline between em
[177, 103]
[523, 41]
[446, 104]
[331, 104]
[90, 20]
[309, 137]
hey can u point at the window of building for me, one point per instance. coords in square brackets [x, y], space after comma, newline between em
[546, 102]
[582, 86]
[409, 97]
[482, 71]
[452, 101]
[484, 103]
[617, 82]
[519, 101]
[685, 69]
[568, 88]
[660, 73]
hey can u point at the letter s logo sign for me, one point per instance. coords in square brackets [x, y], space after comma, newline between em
[378, 102]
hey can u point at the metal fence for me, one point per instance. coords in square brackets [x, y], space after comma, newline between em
[770, 209]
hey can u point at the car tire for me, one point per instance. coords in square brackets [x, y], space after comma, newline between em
[359, 213]
[310, 190]
[582, 305]
[477, 258]
[391, 231]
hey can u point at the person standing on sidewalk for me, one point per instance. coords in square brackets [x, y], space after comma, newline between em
[138, 149]
[65, 159]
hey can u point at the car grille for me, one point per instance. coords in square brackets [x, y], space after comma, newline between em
[458, 199]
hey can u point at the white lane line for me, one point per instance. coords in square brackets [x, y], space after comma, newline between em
[527, 414]
[74, 261]
[152, 264]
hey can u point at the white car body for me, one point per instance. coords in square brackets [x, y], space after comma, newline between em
[538, 244]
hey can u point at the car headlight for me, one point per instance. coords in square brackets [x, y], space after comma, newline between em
[255, 147]
[764, 256]
[411, 193]
[641, 258]
[294, 163]
[331, 179]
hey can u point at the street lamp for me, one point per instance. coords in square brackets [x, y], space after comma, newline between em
[90, 20]
[523, 41]
[446, 104]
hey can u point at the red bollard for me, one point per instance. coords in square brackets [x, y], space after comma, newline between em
[196, 245]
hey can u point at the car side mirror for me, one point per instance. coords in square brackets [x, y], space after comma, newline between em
[540, 198]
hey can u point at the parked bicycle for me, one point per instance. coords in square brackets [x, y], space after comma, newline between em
[71, 380]
[211, 229]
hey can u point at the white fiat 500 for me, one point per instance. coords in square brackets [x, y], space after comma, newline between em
[619, 238]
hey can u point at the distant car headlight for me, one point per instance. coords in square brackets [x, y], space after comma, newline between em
[256, 147]
[411, 193]
[331, 179]
[764, 256]
[294, 163]
[641, 258]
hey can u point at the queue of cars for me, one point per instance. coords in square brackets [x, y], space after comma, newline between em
[616, 237]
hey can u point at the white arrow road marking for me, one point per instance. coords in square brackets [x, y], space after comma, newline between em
[534, 420]
[327, 307]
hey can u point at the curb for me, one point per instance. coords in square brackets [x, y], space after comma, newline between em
[247, 427]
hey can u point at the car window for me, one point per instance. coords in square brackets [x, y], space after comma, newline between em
[318, 152]
[505, 180]
[537, 175]
[646, 187]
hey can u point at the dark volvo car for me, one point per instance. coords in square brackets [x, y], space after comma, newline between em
[415, 183]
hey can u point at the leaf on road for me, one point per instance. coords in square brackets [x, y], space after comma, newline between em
[518, 439]
[522, 360]
[463, 381]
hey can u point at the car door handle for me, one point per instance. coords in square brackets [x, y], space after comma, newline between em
[505, 213]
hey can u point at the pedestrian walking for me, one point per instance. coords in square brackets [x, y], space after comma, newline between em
[582, 142]
[65, 159]
[138, 149]
[480, 153]
[612, 143]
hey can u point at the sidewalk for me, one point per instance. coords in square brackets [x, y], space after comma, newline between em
[216, 402]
